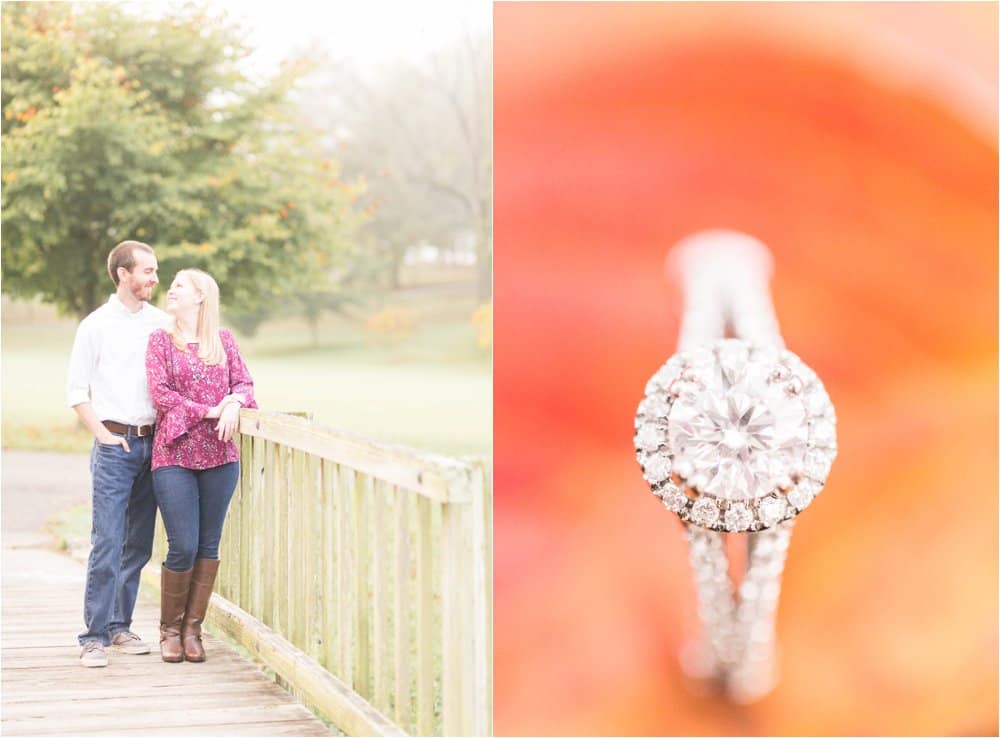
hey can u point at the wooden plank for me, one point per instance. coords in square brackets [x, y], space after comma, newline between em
[363, 492]
[381, 661]
[453, 633]
[296, 556]
[237, 730]
[20, 668]
[314, 549]
[346, 588]
[319, 689]
[331, 555]
[478, 722]
[488, 527]
[268, 527]
[228, 579]
[426, 635]
[151, 703]
[279, 603]
[137, 719]
[249, 536]
[401, 609]
[44, 692]
[433, 476]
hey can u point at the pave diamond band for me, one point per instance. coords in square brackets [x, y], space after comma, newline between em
[735, 436]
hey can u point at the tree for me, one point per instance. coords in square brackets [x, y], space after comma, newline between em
[118, 126]
[420, 134]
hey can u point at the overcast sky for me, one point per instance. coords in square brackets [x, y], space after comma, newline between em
[368, 31]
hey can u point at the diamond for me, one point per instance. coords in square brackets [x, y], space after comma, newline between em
[683, 468]
[673, 498]
[665, 375]
[822, 433]
[738, 516]
[739, 434]
[817, 400]
[656, 467]
[704, 512]
[771, 510]
[818, 464]
[767, 354]
[733, 353]
[649, 437]
[685, 385]
[717, 419]
[780, 373]
[798, 367]
[654, 406]
[802, 494]
[700, 357]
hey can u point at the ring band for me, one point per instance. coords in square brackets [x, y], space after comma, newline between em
[736, 437]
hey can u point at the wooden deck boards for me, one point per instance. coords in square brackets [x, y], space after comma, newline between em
[45, 691]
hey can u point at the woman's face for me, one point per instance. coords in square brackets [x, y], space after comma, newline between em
[183, 297]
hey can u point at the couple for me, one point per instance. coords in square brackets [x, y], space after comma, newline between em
[133, 365]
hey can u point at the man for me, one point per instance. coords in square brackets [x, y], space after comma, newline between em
[107, 389]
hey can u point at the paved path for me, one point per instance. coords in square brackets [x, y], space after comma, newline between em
[44, 689]
[36, 486]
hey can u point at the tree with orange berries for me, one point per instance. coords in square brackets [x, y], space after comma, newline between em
[122, 126]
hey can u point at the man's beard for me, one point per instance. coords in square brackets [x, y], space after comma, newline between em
[140, 292]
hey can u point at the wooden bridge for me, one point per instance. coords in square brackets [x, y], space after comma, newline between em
[357, 572]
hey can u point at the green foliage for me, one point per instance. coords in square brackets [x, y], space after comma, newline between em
[119, 126]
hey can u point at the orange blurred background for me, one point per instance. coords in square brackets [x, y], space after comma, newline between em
[859, 142]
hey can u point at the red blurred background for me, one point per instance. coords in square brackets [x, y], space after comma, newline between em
[859, 142]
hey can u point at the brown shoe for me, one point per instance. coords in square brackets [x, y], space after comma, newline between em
[174, 586]
[202, 581]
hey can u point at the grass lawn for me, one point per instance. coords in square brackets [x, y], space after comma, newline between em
[431, 389]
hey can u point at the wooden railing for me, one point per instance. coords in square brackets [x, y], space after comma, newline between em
[361, 574]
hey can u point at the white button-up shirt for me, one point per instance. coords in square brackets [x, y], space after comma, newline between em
[108, 364]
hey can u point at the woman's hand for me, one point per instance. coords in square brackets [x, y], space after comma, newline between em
[216, 412]
[229, 420]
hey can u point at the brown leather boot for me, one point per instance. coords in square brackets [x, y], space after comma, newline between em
[174, 587]
[202, 581]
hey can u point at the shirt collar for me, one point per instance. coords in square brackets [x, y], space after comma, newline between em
[117, 304]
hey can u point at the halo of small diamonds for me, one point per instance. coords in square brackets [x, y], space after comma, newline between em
[733, 436]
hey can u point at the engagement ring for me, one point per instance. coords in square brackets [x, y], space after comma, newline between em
[735, 435]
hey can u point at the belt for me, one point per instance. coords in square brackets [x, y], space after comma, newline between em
[128, 430]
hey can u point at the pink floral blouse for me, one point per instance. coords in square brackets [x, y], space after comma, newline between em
[184, 389]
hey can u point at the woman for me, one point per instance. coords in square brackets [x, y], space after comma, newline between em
[198, 383]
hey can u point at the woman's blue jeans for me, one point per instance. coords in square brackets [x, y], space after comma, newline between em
[193, 504]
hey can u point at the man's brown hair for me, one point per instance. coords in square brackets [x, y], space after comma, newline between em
[123, 255]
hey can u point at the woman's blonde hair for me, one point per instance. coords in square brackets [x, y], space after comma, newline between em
[207, 325]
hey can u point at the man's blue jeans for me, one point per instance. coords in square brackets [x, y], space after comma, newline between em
[193, 504]
[124, 517]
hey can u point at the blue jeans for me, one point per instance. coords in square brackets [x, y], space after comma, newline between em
[124, 516]
[193, 504]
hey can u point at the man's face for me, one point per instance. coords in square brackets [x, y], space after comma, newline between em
[142, 279]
